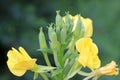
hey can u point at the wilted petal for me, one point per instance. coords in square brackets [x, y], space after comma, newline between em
[109, 69]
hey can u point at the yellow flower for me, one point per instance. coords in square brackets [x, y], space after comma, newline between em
[88, 53]
[87, 22]
[109, 69]
[19, 61]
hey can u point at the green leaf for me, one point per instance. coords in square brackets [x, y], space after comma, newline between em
[74, 69]
[70, 56]
[35, 76]
[56, 72]
[45, 50]
[68, 66]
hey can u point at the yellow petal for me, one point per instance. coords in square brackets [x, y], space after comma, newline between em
[14, 56]
[88, 53]
[14, 71]
[109, 69]
[93, 62]
[97, 62]
[94, 48]
[24, 53]
[82, 43]
[25, 65]
[83, 58]
[19, 62]
[88, 26]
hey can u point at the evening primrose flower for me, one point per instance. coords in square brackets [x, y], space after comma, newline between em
[87, 22]
[109, 69]
[88, 56]
[19, 61]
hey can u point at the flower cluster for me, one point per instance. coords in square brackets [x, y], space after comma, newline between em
[69, 41]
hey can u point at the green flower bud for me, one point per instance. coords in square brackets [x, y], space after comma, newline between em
[78, 27]
[68, 21]
[63, 35]
[42, 40]
[52, 37]
[59, 20]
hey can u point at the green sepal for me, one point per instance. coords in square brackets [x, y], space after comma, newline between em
[35, 76]
[74, 69]
[41, 68]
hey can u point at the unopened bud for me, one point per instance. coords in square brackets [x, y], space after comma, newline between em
[63, 35]
[42, 40]
[68, 21]
[78, 28]
[52, 37]
[59, 20]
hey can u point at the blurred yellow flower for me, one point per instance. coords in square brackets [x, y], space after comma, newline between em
[109, 69]
[88, 53]
[19, 61]
[87, 22]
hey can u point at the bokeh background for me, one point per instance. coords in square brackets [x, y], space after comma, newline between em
[20, 21]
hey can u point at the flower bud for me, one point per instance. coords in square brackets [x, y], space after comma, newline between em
[42, 40]
[52, 37]
[78, 28]
[59, 20]
[68, 21]
[63, 35]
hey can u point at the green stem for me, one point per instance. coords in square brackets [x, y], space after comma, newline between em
[83, 73]
[44, 76]
[92, 74]
[87, 78]
[46, 59]
[95, 78]
[74, 70]
[56, 59]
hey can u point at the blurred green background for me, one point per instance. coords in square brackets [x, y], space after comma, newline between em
[20, 21]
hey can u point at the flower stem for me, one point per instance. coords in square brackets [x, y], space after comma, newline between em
[87, 78]
[46, 59]
[44, 76]
[95, 78]
[92, 74]
[56, 58]
[83, 73]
